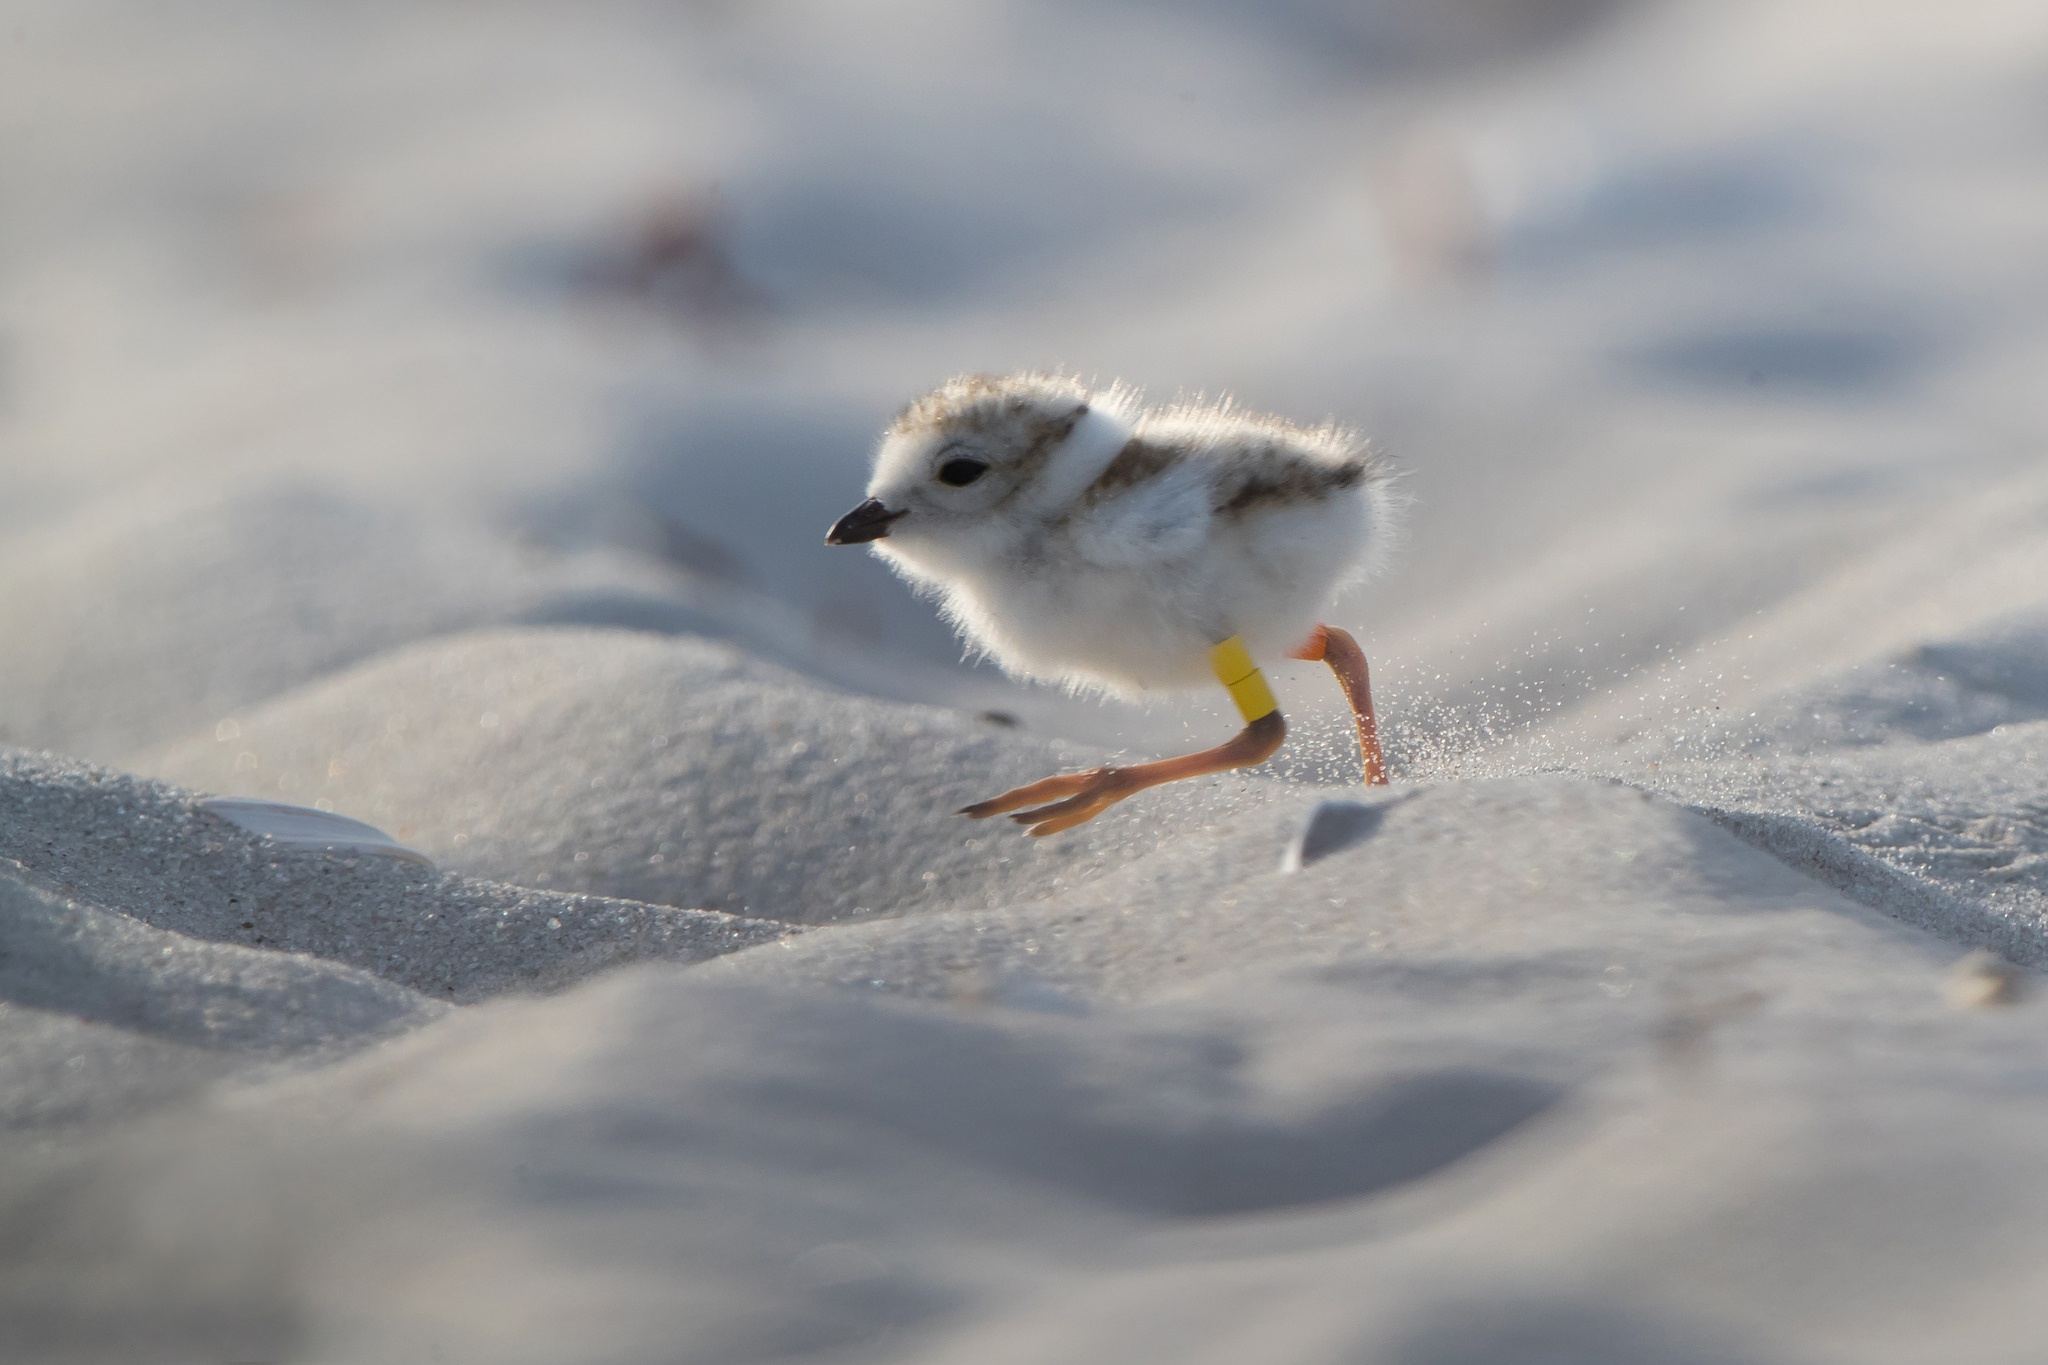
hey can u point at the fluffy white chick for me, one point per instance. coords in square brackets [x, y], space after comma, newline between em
[1078, 538]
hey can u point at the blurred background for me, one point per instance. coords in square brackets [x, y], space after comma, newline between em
[328, 326]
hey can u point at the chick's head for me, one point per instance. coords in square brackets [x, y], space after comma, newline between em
[962, 470]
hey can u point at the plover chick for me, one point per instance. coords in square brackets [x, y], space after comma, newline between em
[1077, 538]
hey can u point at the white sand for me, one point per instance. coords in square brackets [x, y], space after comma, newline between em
[115, 841]
[352, 459]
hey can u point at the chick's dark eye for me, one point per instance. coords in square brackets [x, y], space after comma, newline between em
[961, 472]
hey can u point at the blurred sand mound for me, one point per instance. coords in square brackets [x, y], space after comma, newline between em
[150, 853]
[669, 770]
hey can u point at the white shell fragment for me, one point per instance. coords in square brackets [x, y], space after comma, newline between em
[1982, 979]
[1331, 826]
[305, 827]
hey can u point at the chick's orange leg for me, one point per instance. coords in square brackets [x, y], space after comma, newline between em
[1336, 648]
[1088, 794]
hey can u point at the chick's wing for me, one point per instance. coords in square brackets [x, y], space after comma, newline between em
[1162, 518]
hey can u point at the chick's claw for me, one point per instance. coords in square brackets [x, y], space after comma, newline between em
[1033, 793]
[1067, 814]
[1087, 796]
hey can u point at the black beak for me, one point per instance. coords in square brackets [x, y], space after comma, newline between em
[869, 521]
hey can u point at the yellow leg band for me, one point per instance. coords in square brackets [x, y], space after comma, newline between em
[1236, 671]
